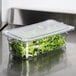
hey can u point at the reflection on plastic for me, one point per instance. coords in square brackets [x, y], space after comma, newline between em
[38, 66]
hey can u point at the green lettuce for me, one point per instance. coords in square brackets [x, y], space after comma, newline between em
[37, 47]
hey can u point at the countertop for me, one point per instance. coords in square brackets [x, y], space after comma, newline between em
[62, 63]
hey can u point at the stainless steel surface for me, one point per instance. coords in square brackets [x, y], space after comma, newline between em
[25, 17]
[62, 63]
[0, 13]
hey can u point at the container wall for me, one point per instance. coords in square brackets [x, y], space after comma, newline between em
[36, 47]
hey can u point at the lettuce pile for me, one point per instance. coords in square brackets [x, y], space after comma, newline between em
[37, 47]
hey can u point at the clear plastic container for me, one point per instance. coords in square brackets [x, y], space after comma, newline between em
[37, 39]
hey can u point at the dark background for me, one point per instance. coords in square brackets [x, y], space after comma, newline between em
[26, 17]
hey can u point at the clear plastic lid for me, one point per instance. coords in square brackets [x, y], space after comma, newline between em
[38, 30]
